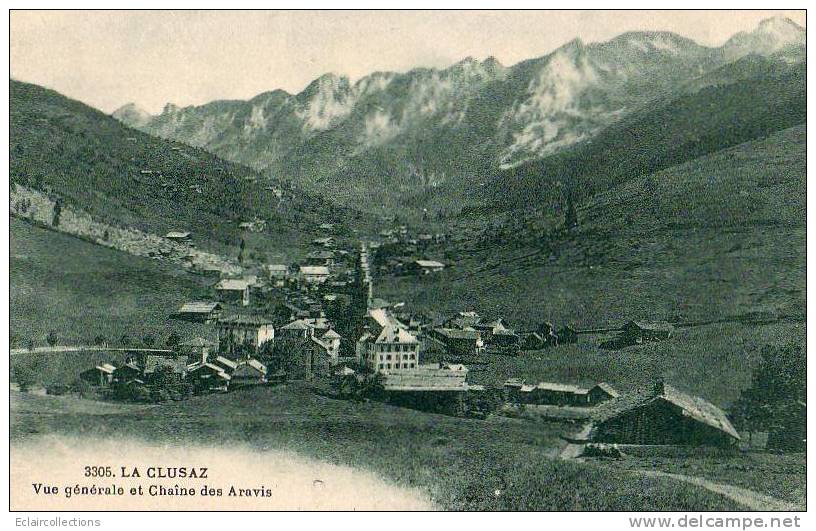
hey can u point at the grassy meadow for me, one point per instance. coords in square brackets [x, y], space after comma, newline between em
[718, 236]
[80, 291]
[713, 361]
[462, 464]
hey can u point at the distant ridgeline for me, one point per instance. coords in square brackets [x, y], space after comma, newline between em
[479, 134]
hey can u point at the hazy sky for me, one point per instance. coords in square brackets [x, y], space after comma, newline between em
[107, 59]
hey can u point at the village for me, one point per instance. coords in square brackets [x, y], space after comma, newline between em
[319, 322]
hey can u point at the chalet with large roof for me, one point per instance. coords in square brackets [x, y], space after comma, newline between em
[199, 311]
[235, 290]
[662, 415]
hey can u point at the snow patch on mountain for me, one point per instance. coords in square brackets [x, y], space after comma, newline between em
[379, 129]
[540, 124]
[331, 101]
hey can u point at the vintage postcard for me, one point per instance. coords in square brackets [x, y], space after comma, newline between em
[407, 261]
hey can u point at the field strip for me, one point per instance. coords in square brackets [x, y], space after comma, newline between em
[753, 500]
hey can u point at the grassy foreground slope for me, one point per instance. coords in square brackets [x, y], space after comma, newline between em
[80, 290]
[498, 464]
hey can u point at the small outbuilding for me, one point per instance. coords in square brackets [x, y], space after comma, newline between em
[636, 332]
[100, 375]
[248, 372]
[199, 311]
[235, 290]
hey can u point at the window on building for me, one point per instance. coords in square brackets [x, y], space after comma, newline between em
[380, 366]
[412, 365]
[413, 356]
[387, 365]
[388, 357]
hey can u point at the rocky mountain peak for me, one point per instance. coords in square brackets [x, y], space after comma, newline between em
[132, 115]
[770, 36]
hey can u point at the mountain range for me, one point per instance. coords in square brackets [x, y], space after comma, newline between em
[427, 137]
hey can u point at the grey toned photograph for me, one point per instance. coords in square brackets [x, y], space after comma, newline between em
[407, 260]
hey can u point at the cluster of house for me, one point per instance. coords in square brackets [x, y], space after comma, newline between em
[196, 362]
[468, 333]
[391, 345]
[399, 251]
[557, 394]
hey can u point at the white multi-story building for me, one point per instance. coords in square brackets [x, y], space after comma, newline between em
[387, 344]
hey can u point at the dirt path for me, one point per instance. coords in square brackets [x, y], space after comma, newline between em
[750, 499]
[80, 348]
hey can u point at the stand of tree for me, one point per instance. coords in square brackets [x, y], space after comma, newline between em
[776, 401]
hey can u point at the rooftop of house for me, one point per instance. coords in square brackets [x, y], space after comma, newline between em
[226, 362]
[174, 234]
[199, 307]
[232, 284]
[384, 318]
[314, 270]
[514, 382]
[218, 370]
[429, 263]
[608, 389]
[456, 333]
[661, 326]
[695, 407]
[425, 379]
[393, 334]
[106, 368]
[252, 320]
[255, 364]
[298, 324]
[331, 334]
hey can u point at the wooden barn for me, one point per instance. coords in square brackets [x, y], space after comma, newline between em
[199, 311]
[208, 377]
[248, 372]
[459, 342]
[101, 375]
[662, 415]
[636, 332]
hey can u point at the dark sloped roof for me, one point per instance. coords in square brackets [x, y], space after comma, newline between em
[455, 333]
[695, 407]
[608, 389]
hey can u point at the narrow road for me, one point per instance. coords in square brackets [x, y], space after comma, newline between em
[81, 348]
[750, 499]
